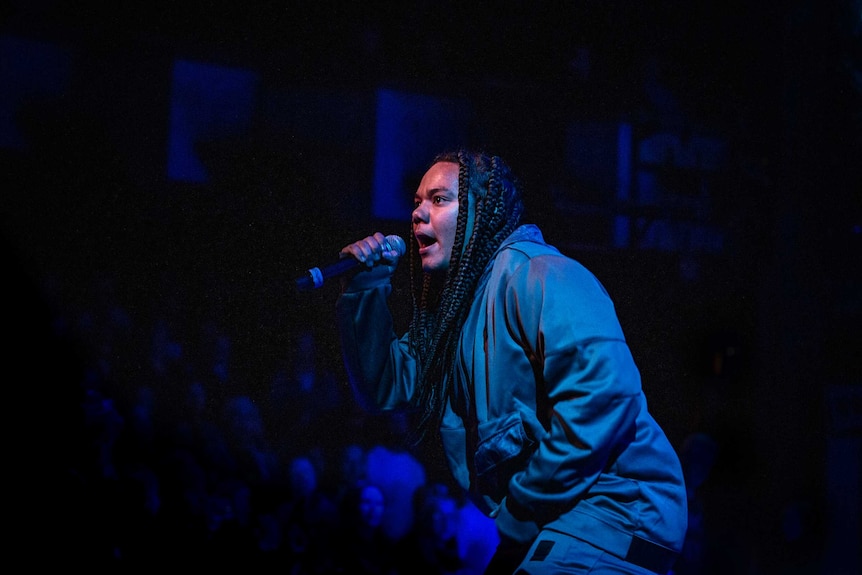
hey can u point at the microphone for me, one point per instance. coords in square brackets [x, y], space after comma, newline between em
[315, 277]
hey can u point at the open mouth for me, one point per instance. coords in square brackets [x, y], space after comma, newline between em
[424, 241]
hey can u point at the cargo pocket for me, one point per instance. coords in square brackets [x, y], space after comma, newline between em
[501, 454]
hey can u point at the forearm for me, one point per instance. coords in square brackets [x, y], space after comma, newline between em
[379, 366]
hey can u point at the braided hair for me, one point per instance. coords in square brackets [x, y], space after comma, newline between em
[441, 304]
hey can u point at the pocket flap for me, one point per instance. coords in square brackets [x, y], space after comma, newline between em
[507, 441]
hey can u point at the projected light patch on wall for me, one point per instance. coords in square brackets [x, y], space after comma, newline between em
[411, 128]
[208, 103]
[28, 71]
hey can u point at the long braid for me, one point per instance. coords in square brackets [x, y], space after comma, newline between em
[439, 311]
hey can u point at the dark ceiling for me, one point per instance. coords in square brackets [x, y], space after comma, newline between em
[706, 45]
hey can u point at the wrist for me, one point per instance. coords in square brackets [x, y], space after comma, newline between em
[514, 523]
[368, 278]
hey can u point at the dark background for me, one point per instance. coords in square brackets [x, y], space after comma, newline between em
[754, 340]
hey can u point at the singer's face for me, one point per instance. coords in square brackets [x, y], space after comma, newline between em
[435, 214]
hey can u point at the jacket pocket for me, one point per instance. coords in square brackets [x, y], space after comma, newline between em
[501, 453]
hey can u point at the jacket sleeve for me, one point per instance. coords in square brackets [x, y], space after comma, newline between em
[380, 368]
[566, 322]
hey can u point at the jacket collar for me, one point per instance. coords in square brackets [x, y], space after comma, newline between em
[524, 232]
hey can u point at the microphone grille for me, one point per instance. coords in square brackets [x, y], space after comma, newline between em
[397, 244]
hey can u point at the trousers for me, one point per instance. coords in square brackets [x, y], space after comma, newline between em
[555, 553]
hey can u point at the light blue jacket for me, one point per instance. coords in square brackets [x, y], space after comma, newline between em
[561, 436]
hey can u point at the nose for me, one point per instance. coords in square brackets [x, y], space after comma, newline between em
[420, 213]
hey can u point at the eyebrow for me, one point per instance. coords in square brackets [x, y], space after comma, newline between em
[433, 191]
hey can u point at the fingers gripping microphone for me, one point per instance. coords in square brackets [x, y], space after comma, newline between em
[315, 277]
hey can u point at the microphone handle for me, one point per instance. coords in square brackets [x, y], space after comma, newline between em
[316, 276]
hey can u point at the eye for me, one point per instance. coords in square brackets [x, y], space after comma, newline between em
[416, 203]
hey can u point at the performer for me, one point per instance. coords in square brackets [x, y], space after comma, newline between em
[516, 362]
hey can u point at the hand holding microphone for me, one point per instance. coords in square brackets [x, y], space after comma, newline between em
[370, 251]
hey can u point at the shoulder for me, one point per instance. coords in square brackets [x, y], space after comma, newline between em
[526, 257]
[534, 281]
